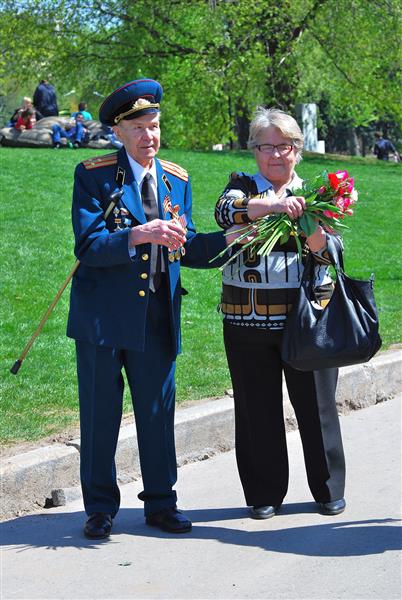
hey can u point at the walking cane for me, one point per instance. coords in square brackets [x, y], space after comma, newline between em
[114, 198]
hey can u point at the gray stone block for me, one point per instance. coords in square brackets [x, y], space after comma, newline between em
[40, 136]
[28, 479]
[63, 496]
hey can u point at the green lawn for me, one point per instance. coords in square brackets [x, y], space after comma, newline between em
[36, 246]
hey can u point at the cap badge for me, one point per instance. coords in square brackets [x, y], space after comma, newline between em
[139, 104]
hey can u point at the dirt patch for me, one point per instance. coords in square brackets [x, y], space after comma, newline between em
[60, 438]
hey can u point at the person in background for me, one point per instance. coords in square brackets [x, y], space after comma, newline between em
[26, 119]
[45, 100]
[82, 108]
[75, 133]
[383, 147]
[112, 138]
[26, 103]
[107, 133]
[125, 305]
[257, 294]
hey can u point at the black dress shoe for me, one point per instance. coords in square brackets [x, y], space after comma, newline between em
[98, 526]
[262, 512]
[170, 519]
[333, 508]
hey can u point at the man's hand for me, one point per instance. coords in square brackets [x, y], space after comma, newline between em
[166, 233]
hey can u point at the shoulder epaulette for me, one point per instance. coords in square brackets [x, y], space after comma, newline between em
[174, 169]
[100, 161]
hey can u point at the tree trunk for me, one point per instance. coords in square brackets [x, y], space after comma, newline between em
[353, 142]
[242, 125]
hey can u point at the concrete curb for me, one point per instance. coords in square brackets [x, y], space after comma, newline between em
[50, 475]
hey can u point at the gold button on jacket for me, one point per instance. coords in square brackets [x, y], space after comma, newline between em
[144, 275]
[145, 256]
[141, 293]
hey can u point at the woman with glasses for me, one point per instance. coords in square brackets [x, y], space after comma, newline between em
[257, 295]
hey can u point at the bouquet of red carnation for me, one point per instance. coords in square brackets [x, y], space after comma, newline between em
[329, 197]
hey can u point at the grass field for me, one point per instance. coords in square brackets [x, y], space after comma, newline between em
[36, 249]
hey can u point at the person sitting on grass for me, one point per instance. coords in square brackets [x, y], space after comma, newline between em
[26, 103]
[74, 132]
[26, 119]
[82, 108]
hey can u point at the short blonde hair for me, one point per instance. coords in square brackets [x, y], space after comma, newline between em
[287, 125]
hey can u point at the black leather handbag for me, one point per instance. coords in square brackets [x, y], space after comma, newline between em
[343, 333]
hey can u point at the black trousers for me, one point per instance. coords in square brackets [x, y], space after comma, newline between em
[256, 371]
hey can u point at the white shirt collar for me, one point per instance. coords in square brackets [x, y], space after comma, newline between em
[296, 182]
[263, 184]
[139, 171]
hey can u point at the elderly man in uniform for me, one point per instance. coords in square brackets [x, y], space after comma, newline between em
[125, 305]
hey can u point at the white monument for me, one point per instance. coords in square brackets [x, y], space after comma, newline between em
[307, 119]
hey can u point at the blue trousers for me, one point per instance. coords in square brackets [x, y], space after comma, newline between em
[76, 133]
[150, 376]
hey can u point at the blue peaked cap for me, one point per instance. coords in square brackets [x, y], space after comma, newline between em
[134, 99]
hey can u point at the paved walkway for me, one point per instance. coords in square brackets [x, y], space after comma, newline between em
[202, 429]
[298, 554]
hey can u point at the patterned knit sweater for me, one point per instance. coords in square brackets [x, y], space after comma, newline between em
[258, 291]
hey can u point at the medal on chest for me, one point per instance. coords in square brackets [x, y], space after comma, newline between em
[174, 213]
[121, 218]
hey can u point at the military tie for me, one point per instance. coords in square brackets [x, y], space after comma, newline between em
[151, 211]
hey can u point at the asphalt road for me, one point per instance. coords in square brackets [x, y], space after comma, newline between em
[298, 554]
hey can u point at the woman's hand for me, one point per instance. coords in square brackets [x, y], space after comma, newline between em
[318, 240]
[237, 230]
[291, 205]
[261, 207]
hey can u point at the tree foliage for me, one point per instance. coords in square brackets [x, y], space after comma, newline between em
[357, 68]
[216, 59]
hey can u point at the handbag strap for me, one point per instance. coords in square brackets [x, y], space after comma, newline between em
[335, 252]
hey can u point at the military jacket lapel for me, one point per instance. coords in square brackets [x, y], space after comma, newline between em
[131, 197]
[164, 189]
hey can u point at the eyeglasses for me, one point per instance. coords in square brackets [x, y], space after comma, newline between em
[282, 149]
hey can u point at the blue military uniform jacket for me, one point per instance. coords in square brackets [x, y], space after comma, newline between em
[110, 290]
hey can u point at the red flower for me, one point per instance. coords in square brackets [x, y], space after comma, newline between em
[333, 180]
[332, 215]
[341, 182]
[342, 202]
[342, 175]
